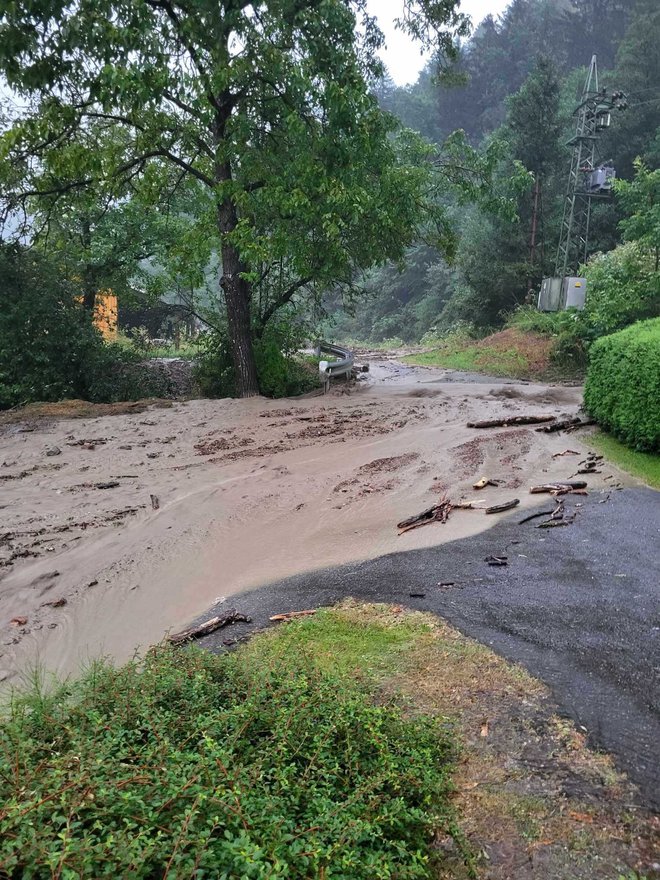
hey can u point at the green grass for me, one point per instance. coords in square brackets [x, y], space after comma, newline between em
[277, 761]
[473, 359]
[343, 642]
[644, 465]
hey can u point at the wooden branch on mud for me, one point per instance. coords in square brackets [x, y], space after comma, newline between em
[437, 513]
[571, 424]
[209, 626]
[534, 516]
[506, 421]
[559, 488]
[292, 615]
[507, 505]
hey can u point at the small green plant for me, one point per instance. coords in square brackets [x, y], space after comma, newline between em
[194, 765]
[622, 390]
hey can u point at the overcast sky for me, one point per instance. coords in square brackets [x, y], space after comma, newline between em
[402, 55]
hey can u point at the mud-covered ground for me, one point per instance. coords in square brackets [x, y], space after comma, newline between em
[117, 528]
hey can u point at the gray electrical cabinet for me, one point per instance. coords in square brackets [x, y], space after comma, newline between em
[574, 293]
[550, 295]
[562, 293]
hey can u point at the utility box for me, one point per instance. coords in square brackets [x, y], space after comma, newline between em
[550, 295]
[574, 293]
[562, 293]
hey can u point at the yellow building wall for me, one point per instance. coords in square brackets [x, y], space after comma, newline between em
[105, 315]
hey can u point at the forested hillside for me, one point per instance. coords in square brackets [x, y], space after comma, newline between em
[514, 87]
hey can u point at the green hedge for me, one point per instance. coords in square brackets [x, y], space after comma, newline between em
[622, 391]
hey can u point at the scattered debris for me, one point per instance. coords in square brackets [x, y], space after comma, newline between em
[446, 583]
[155, 503]
[534, 516]
[506, 421]
[566, 452]
[417, 595]
[109, 484]
[209, 626]
[292, 615]
[52, 451]
[18, 621]
[561, 487]
[486, 481]
[507, 505]
[497, 560]
[589, 465]
[56, 603]
[568, 425]
[153, 454]
[438, 513]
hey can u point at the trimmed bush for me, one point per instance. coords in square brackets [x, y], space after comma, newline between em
[622, 391]
[192, 765]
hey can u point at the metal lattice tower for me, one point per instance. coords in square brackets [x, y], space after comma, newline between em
[593, 116]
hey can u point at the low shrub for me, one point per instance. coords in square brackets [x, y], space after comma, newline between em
[194, 765]
[280, 369]
[622, 390]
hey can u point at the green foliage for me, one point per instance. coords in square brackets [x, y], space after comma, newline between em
[281, 371]
[49, 349]
[623, 285]
[622, 390]
[191, 765]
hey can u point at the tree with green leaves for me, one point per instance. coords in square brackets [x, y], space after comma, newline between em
[265, 108]
[534, 127]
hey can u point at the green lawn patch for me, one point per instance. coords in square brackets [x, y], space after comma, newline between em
[645, 465]
[512, 352]
[473, 359]
[275, 761]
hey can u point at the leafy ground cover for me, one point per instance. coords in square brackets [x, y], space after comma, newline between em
[326, 748]
[512, 352]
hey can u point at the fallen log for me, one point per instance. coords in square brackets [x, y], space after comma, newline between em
[566, 452]
[534, 516]
[209, 626]
[292, 615]
[571, 424]
[437, 513]
[507, 505]
[506, 421]
[559, 487]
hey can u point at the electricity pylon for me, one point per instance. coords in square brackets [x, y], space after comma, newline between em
[585, 180]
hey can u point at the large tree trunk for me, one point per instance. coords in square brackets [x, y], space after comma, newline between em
[236, 289]
[237, 299]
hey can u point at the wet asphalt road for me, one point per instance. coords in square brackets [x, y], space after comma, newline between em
[578, 606]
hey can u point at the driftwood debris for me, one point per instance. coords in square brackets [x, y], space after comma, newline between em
[292, 615]
[507, 505]
[497, 560]
[534, 516]
[486, 481]
[561, 487]
[566, 452]
[438, 513]
[209, 626]
[155, 503]
[571, 424]
[507, 421]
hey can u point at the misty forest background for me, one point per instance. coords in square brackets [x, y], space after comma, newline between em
[516, 82]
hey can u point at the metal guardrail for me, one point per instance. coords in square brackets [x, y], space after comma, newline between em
[331, 369]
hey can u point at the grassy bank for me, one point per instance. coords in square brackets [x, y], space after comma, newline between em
[323, 749]
[513, 353]
[645, 465]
